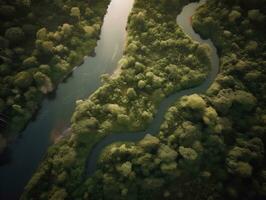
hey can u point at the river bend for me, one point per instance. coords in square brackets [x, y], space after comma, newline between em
[184, 21]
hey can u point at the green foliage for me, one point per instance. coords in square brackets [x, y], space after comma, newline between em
[30, 62]
[131, 93]
[23, 79]
[37, 51]
[240, 168]
[186, 134]
[252, 46]
[130, 100]
[58, 194]
[188, 153]
[255, 15]
[123, 119]
[89, 30]
[245, 100]
[15, 35]
[26, 3]
[125, 169]
[210, 116]
[75, 12]
[7, 11]
[66, 29]
[166, 154]
[149, 142]
[203, 53]
[141, 84]
[4, 69]
[43, 82]
[209, 146]
[45, 47]
[194, 101]
[234, 15]
[138, 20]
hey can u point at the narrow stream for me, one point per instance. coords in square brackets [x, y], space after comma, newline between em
[183, 20]
[28, 150]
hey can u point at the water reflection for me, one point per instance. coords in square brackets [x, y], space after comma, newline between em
[27, 151]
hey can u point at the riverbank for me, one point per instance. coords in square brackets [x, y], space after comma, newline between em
[210, 146]
[128, 102]
[58, 109]
[48, 55]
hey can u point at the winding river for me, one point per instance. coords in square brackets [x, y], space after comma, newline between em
[26, 152]
[184, 21]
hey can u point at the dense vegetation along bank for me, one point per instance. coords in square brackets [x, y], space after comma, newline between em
[39, 47]
[159, 60]
[183, 20]
[26, 153]
[210, 146]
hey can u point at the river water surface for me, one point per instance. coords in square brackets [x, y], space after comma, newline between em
[28, 150]
[184, 21]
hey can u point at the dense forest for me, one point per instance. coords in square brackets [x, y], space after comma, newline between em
[210, 146]
[159, 59]
[38, 49]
